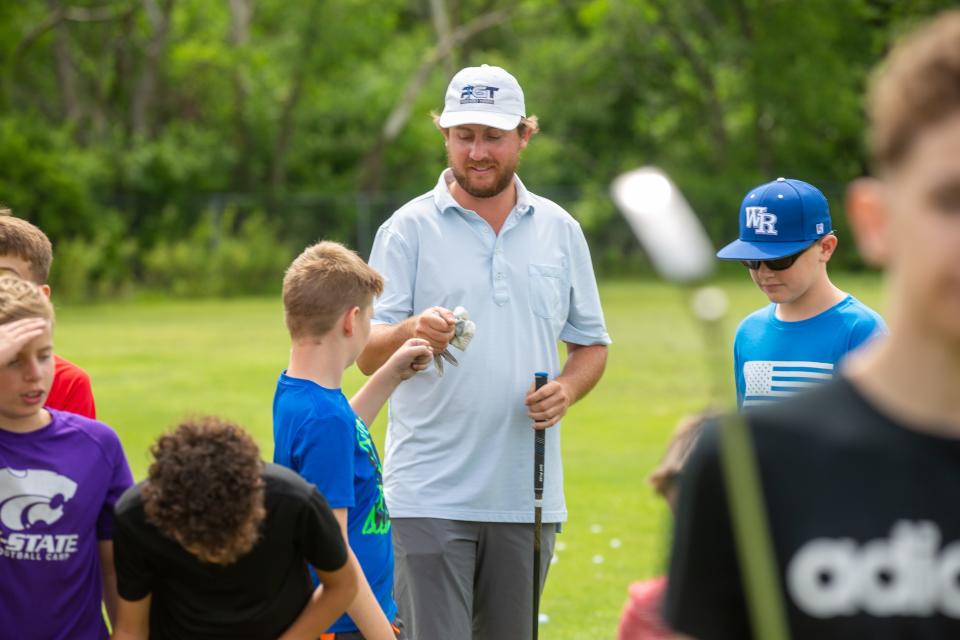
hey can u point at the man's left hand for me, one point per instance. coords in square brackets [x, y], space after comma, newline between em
[548, 404]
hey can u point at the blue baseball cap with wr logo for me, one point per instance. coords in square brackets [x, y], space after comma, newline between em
[779, 219]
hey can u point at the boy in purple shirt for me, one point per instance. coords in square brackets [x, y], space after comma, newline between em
[60, 475]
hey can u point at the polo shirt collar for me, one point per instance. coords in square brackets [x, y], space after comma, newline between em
[444, 200]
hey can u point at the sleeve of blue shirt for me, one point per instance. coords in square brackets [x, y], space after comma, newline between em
[585, 324]
[738, 368]
[324, 449]
[396, 263]
[865, 328]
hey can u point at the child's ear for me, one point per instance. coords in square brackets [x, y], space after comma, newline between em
[350, 318]
[828, 244]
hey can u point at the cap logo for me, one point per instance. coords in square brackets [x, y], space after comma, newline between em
[761, 221]
[819, 228]
[478, 94]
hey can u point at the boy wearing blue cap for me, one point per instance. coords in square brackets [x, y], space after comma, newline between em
[786, 240]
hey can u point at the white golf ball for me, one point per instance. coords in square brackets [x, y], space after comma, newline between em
[615, 543]
[595, 528]
[561, 546]
[709, 303]
[598, 559]
[543, 618]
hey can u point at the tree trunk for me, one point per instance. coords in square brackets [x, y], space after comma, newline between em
[66, 72]
[241, 15]
[762, 118]
[441, 24]
[701, 69]
[145, 92]
[371, 175]
[278, 169]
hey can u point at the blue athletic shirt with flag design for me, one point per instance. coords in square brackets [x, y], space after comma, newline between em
[773, 358]
[317, 434]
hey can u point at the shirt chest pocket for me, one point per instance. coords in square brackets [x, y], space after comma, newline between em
[549, 290]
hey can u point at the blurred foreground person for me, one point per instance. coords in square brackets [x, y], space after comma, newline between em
[859, 478]
[215, 544]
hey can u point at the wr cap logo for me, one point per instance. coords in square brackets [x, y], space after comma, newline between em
[31, 496]
[481, 93]
[761, 221]
[819, 227]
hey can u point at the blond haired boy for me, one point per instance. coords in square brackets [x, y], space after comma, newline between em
[25, 251]
[60, 475]
[328, 295]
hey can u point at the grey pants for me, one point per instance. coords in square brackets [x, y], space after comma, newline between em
[459, 580]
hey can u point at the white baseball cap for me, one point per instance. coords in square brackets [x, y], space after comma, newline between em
[483, 95]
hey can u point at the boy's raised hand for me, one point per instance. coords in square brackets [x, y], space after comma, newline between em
[14, 335]
[413, 355]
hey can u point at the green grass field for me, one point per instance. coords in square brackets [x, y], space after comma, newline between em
[152, 362]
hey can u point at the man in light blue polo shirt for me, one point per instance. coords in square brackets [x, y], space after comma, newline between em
[458, 471]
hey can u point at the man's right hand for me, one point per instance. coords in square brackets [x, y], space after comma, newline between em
[435, 325]
[14, 335]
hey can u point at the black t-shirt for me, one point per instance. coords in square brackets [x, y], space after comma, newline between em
[258, 596]
[865, 519]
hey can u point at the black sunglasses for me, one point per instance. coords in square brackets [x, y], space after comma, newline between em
[778, 264]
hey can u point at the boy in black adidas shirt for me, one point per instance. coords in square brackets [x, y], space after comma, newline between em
[861, 478]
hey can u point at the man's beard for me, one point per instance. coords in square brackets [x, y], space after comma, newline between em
[504, 179]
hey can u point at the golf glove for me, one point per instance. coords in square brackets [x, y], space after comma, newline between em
[463, 332]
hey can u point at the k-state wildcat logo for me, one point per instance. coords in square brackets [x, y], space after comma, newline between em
[907, 574]
[32, 496]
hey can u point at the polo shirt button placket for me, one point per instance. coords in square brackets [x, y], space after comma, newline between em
[500, 294]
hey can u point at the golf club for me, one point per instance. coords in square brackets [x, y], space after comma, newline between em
[680, 250]
[539, 445]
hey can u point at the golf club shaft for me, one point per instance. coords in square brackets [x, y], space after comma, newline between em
[539, 445]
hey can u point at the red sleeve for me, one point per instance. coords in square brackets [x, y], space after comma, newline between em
[71, 389]
[641, 618]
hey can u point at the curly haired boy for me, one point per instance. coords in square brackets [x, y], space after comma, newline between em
[215, 543]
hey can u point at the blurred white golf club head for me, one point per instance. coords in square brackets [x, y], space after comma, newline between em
[665, 225]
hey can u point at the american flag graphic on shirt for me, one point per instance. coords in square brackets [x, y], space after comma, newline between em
[769, 380]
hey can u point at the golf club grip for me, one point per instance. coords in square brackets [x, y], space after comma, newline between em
[539, 446]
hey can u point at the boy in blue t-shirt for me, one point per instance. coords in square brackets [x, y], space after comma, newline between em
[328, 295]
[786, 240]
